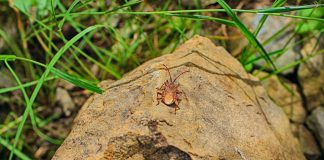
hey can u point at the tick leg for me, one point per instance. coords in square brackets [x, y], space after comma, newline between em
[176, 107]
[181, 92]
[158, 97]
[177, 99]
[162, 87]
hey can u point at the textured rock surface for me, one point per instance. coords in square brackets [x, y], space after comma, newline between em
[289, 101]
[225, 114]
[308, 143]
[316, 123]
[311, 73]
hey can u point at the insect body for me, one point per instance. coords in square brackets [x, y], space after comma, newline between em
[169, 93]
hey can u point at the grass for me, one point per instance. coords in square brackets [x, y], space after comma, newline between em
[115, 41]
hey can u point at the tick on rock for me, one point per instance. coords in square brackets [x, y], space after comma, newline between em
[169, 93]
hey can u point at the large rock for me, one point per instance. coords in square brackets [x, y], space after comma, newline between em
[224, 114]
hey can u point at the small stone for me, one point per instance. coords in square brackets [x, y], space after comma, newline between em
[315, 122]
[308, 143]
[65, 85]
[64, 98]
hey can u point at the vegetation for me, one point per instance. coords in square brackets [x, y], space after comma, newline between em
[85, 42]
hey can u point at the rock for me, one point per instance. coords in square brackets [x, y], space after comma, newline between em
[65, 85]
[63, 97]
[311, 74]
[289, 101]
[295, 127]
[224, 114]
[316, 124]
[271, 26]
[308, 143]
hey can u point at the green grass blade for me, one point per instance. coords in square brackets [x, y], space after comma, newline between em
[252, 39]
[70, 78]
[291, 65]
[264, 17]
[66, 14]
[77, 81]
[45, 74]
[28, 84]
[201, 17]
[32, 115]
[24, 94]
[7, 57]
[268, 11]
[19, 154]
[253, 60]
[247, 50]
[288, 8]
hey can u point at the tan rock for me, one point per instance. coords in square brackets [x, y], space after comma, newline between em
[286, 96]
[311, 73]
[315, 122]
[64, 98]
[308, 143]
[224, 114]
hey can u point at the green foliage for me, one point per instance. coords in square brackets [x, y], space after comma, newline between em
[307, 25]
[42, 7]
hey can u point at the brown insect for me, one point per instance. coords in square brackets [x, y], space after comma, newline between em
[169, 93]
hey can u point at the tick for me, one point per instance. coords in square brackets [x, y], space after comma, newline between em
[169, 93]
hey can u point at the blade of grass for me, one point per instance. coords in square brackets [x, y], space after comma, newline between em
[19, 154]
[7, 57]
[277, 9]
[263, 19]
[108, 69]
[43, 77]
[76, 80]
[28, 84]
[290, 47]
[32, 115]
[252, 39]
[247, 50]
[70, 78]
[15, 48]
[66, 14]
[265, 11]
[201, 17]
[9, 125]
[293, 64]
[277, 52]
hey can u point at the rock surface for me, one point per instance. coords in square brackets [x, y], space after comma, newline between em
[311, 73]
[308, 143]
[316, 123]
[272, 26]
[224, 114]
[288, 99]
